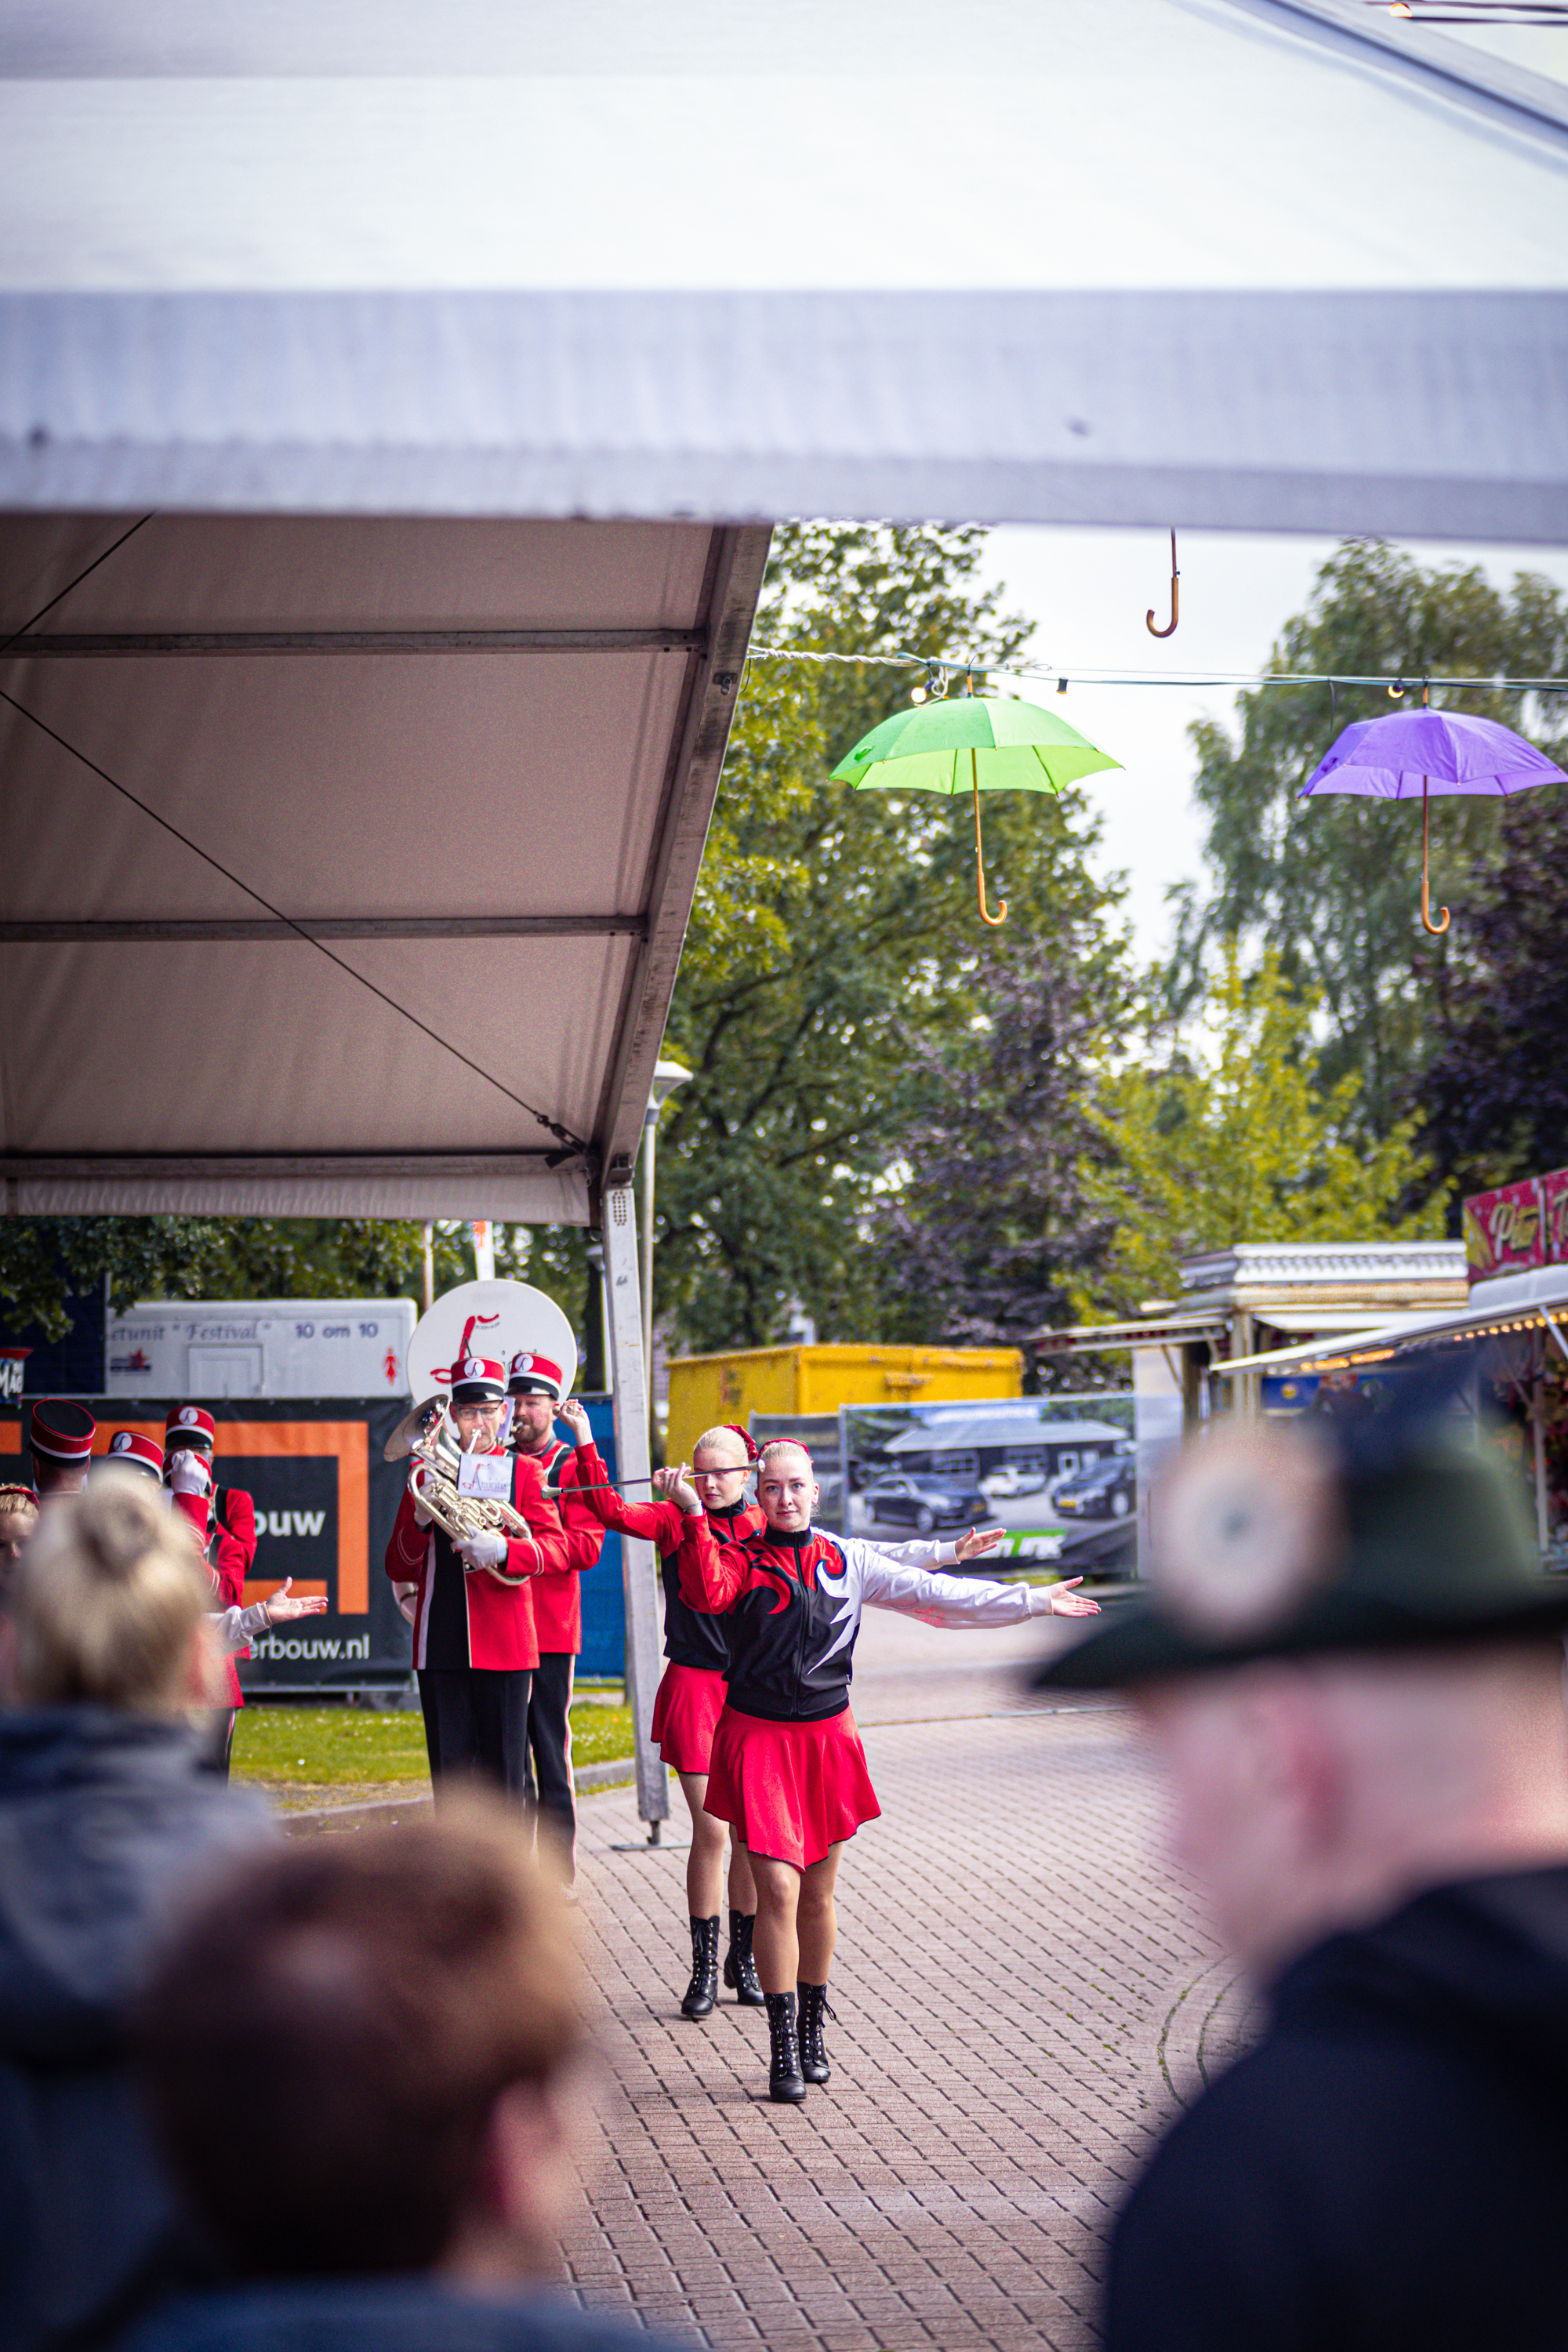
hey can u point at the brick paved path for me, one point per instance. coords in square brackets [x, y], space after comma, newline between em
[1022, 1996]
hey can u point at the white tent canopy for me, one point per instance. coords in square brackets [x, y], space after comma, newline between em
[1271, 263]
[453, 775]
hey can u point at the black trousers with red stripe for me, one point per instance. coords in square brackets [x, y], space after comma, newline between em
[476, 1722]
[550, 1790]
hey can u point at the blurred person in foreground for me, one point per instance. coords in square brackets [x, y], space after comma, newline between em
[19, 1517]
[1352, 1677]
[395, 2023]
[105, 1820]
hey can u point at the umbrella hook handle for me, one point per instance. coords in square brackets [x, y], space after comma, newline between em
[1175, 601]
[1435, 930]
[1001, 914]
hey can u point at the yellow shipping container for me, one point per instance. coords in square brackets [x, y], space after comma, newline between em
[704, 1390]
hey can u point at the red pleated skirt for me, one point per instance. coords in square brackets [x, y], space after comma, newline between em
[790, 1789]
[686, 1710]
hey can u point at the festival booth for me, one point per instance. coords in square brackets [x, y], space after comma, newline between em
[1514, 1326]
[392, 402]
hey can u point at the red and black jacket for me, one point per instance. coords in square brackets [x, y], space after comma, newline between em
[479, 1617]
[691, 1637]
[790, 1614]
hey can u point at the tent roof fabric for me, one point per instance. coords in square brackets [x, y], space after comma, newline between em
[502, 840]
[457, 359]
[1260, 263]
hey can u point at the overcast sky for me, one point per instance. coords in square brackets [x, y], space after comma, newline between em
[1087, 592]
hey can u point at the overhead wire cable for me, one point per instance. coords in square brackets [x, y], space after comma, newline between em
[1102, 677]
[553, 1126]
[29, 625]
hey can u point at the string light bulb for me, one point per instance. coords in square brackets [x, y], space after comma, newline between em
[1397, 691]
[1061, 686]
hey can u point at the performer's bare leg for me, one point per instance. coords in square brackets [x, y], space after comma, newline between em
[705, 1862]
[797, 1925]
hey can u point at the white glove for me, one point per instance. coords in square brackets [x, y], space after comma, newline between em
[485, 1550]
[191, 1475]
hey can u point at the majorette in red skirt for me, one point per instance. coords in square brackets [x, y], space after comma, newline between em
[788, 1771]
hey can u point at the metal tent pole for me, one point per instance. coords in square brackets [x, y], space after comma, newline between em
[628, 1375]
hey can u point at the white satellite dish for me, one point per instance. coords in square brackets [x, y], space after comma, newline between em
[523, 1318]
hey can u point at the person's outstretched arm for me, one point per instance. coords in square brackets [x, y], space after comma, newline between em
[961, 1601]
[931, 1551]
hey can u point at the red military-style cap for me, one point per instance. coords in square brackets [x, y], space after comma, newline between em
[533, 1375]
[475, 1379]
[136, 1452]
[189, 1425]
[60, 1430]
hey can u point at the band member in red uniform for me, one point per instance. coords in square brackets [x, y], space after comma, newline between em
[470, 1604]
[691, 1692]
[789, 1771]
[59, 1439]
[533, 1384]
[225, 1521]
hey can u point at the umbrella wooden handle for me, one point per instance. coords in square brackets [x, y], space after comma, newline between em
[1435, 929]
[1175, 601]
[1001, 914]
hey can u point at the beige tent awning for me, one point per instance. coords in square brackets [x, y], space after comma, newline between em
[347, 860]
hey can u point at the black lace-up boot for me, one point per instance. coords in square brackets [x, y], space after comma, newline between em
[786, 2082]
[740, 1967]
[703, 1991]
[813, 2049]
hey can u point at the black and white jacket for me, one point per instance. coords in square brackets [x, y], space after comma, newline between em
[792, 1607]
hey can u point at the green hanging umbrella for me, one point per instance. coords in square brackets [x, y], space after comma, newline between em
[974, 743]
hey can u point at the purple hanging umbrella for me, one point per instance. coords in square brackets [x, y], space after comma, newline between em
[1441, 750]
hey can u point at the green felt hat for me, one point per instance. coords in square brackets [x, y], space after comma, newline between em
[1276, 1545]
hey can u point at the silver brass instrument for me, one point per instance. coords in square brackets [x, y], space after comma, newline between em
[460, 1516]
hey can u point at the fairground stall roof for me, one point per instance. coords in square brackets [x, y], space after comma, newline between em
[393, 401]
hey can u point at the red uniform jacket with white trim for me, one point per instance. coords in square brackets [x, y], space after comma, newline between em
[557, 1596]
[692, 1638]
[479, 1616]
[230, 1554]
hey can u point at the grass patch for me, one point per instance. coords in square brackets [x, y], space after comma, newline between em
[336, 1752]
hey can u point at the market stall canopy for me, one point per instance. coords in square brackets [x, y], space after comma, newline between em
[1535, 1302]
[1267, 264]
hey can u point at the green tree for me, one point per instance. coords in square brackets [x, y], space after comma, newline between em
[1331, 885]
[1233, 1138]
[827, 923]
[44, 1261]
[992, 1227]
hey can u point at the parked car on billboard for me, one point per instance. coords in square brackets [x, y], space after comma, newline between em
[1010, 1481]
[1106, 1490]
[924, 1504]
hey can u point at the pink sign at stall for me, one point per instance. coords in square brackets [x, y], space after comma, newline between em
[1505, 1231]
[1554, 1217]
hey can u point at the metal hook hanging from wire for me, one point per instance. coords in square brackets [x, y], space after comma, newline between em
[1169, 630]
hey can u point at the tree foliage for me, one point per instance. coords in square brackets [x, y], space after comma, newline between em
[1232, 1138]
[1331, 885]
[992, 1228]
[1492, 1100]
[829, 927]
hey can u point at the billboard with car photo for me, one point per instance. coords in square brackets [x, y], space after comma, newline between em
[1056, 1473]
